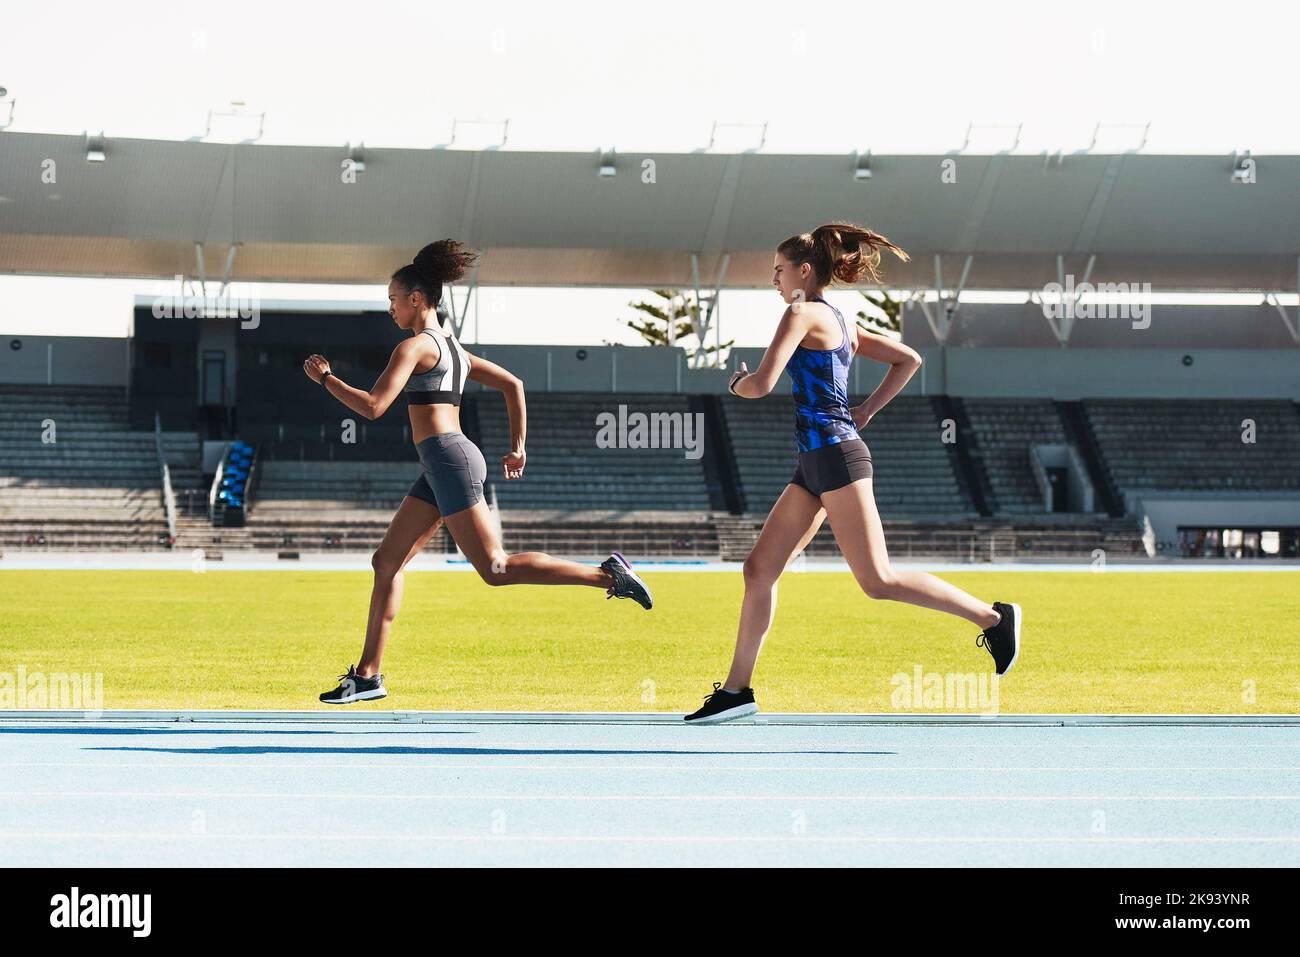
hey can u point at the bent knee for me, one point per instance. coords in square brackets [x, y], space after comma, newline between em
[494, 573]
[759, 572]
[385, 564]
[879, 585]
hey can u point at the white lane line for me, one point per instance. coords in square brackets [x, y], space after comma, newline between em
[257, 765]
[254, 765]
[223, 838]
[911, 746]
[382, 796]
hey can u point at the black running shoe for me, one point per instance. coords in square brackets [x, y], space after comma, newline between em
[1003, 639]
[352, 687]
[626, 582]
[725, 706]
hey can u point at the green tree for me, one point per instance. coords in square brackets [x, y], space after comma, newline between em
[891, 321]
[678, 310]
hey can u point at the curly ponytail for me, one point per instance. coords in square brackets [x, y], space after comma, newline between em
[835, 251]
[436, 264]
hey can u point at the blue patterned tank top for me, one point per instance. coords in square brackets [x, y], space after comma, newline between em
[820, 379]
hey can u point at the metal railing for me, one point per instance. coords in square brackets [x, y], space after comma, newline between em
[216, 486]
[168, 494]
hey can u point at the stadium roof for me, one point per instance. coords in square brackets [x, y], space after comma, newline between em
[551, 218]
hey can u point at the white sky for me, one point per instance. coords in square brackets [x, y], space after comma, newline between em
[890, 77]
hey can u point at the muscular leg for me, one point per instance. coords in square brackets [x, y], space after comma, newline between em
[790, 526]
[856, 524]
[409, 531]
[475, 531]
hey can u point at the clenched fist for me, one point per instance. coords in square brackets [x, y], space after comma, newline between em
[316, 367]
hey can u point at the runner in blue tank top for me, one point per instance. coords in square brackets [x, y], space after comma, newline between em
[819, 380]
[833, 478]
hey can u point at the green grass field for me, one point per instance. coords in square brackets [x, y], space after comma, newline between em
[1093, 642]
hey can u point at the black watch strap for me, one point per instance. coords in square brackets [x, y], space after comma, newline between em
[325, 375]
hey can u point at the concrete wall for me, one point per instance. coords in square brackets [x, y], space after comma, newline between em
[1158, 326]
[1059, 373]
[609, 368]
[1168, 510]
[1119, 373]
[64, 360]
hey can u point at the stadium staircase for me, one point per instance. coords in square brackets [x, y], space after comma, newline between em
[198, 532]
[968, 462]
[1006, 430]
[1079, 431]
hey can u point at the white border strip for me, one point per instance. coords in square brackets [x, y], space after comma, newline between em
[634, 717]
[352, 561]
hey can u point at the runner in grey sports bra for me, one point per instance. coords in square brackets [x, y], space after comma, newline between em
[446, 380]
[452, 469]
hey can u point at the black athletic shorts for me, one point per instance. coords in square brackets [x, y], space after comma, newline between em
[832, 466]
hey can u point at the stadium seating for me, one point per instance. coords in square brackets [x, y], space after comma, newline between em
[1191, 445]
[567, 470]
[323, 505]
[96, 486]
[915, 474]
[230, 495]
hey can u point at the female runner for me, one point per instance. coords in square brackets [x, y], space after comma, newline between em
[431, 369]
[815, 345]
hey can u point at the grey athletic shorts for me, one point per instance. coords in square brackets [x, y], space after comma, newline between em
[832, 467]
[452, 473]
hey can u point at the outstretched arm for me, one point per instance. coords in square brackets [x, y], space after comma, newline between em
[789, 333]
[387, 387]
[511, 388]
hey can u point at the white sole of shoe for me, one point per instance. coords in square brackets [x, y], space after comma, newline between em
[360, 696]
[627, 566]
[732, 714]
[1015, 632]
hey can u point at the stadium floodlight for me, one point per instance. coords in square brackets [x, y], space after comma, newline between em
[1144, 127]
[228, 120]
[607, 167]
[457, 124]
[761, 127]
[972, 127]
[95, 148]
[357, 155]
[862, 167]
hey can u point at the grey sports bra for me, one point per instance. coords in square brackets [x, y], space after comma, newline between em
[445, 382]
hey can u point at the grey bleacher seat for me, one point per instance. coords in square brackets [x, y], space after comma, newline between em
[913, 471]
[566, 469]
[96, 485]
[1196, 445]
